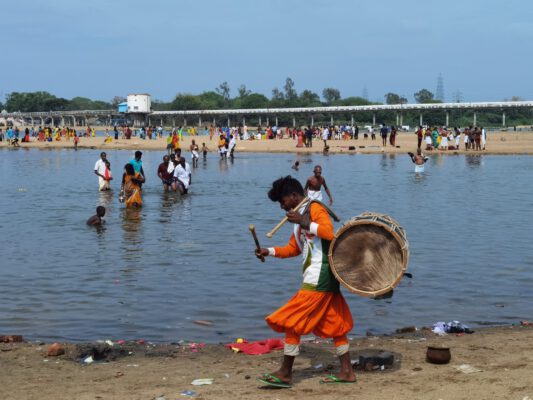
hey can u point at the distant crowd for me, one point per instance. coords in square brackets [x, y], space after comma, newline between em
[435, 138]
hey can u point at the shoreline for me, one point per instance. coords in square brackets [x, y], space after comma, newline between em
[503, 143]
[501, 360]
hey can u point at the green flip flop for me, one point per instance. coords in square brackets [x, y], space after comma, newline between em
[274, 381]
[332, 379]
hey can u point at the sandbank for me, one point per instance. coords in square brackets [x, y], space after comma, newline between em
[497, 143]
[502, 359]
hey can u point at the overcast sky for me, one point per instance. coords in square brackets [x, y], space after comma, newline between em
[100, 49]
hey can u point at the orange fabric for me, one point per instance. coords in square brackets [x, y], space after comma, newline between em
[132, 191]
[292, 338]
[290, 250]
[320, 216]
[325, 314]
[339, 341]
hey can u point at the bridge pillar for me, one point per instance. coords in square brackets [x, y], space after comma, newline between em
[229, 122]
[199, 120]
[331, 120]
[161, 125]
[184, 122]
[259, 120]
[312, 120]
[421, 119]
[475, 118]
[293, 121]
[62, 121]
[352, 119]
[276, 121]
[401, 119]
[173, 122]
[214, 121]
[42, 121]
[397, 119]
[447, 118]
[503, 118]
[374, 119]
[31, 121]
[243, 120]
[268, 122]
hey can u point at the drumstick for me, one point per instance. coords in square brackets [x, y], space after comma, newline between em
[252, 229]
[285, 219]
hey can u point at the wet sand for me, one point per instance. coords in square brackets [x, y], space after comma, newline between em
[503, 358]
[497, 143]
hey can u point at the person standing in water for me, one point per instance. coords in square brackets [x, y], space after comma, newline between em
[313, 186]
[419, 160]
[100, 169]
[96, 219]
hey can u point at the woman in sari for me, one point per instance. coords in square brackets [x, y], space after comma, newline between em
[130, 192]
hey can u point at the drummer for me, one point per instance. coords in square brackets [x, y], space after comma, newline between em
[314, 185]
[318, 307]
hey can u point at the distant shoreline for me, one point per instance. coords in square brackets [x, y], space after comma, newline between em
[504, 143]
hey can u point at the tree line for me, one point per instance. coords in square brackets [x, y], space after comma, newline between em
[286, 96]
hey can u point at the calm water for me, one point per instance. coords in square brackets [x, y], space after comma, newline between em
[152, 272]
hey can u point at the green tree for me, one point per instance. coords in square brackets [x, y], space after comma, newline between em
[424, 96]
[243, 92]
[211, 101]
[253, 100]
[116, 100]
[290, 91]
[309, 99]
[27, 102]
[224, 90]
[186, 101]
[353, 101]
[393, 98]
[331, 95]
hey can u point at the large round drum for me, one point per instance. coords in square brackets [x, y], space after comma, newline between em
[369, 254]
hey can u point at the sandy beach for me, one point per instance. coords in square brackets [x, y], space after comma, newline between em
[497, 143]
[493, 363]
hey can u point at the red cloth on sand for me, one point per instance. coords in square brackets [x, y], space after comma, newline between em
[258, 347]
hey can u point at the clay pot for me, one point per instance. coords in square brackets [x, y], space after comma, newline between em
[438, 355]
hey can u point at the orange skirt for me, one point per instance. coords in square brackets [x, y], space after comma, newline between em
[325, 314]
[135, 200]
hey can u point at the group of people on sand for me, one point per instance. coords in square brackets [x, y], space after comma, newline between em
[444, 138]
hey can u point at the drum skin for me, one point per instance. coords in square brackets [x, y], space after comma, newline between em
[369, 254]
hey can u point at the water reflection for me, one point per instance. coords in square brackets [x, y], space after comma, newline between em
[132, 241]
[473, 160]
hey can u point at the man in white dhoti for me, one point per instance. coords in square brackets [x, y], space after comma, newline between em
[182, 177]
[314, 185]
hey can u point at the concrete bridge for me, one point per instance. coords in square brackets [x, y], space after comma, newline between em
[236, 116]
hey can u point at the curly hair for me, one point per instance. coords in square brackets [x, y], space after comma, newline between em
[285, 187]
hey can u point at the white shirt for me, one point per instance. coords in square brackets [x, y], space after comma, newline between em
[232, 144]
[100, 167]
[325, 134]
[183, 174]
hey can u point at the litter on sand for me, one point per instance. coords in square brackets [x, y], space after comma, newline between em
[441, 328]
[202, 381]
[189, 393]
[467, 369]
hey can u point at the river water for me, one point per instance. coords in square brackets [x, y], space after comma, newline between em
[150, 273]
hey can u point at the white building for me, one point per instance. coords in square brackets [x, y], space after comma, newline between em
[139, 103]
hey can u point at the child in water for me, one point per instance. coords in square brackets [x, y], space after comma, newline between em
[96, 219]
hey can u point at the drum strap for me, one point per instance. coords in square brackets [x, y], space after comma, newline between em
[329, 210]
